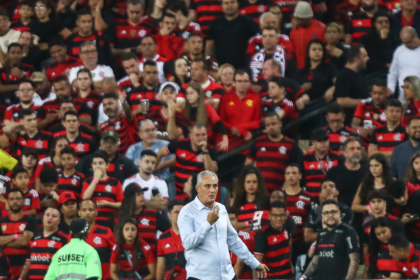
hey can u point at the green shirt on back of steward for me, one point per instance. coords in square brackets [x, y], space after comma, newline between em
[75, 261]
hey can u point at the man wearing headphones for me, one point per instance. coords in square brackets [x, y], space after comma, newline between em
[120, 167]
[77, 259]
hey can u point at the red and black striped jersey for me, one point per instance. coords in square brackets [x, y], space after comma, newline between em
[39, 141]
[143, 94]
[32, 180]
[56, 69]
[298, 206]
[73, 183]
[109, 190]
[12, 112]
[6, 78]
[397, 226]
[31, 201]
[83, 145]
[187, 163]
[41, 251]
[387, 140]
[411, 267]
[290, 113]
[161, 122]
[413, 109]
[345, 11]
[120, 257]
[148, 226]
[191, 27]
[384, 264]
[18, 25]
[359, 25]
[338, 137]
[5, 268]
[248, 240]
[254, 10]
[74, 41]
[60, 130]
[129, 35]
[47, 161]
[212, 90]
[246, 212]
[255, 44]
[207, 11]
[314, 169]
[102, 239]
[273, 157]
[292, 89]
[170, 247]
[17, 256]
[274, 246]
[126, 131]
[92, 100]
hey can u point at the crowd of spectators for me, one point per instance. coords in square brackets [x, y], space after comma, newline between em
[109, 109]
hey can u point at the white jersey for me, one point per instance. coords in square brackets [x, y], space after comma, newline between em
[98, 74]
[12, 36]
[159, 66]
[151, 183]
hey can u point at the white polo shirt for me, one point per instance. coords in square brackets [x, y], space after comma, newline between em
[98, 74]
[151, 183]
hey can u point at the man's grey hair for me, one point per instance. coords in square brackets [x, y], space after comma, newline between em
[266, 14]
[136, 2]
[141, 122]
[205, 173]
[87, 43]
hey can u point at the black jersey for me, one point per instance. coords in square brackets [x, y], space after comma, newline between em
[333, 248]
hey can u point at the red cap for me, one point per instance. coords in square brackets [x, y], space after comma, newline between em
[66, 196]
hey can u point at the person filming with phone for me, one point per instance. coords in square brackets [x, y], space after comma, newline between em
[207, 236]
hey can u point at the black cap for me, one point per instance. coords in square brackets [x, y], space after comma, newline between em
[79, 226]
[29, 151]
[133, 188]
[319, 134]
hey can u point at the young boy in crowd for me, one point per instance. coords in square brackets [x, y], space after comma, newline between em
[68, 178]
[48, 197]
[20, 179]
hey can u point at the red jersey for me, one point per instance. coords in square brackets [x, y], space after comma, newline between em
[255, 44]
[12, 112]
[254, 10]
[248, 240]
[39, 142]
[191, 27]
[18, 25]
[207, 11]
[299, 206]
[285, 105]
[73, 183]
[300, 38]
[92, 100]
[169, 46]
[47, 161]
[110, 190]
[367, 111]
[410, 268]
[31, 201]
[243, 114]
[129, 35]
[83, 145]
[125, 130]
[211, 90]
[103, 240]
[161, 122]
[56, 69]
[170, 247]
[120, 257]
[413, 109]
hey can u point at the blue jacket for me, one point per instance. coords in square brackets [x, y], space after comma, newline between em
[396, 25]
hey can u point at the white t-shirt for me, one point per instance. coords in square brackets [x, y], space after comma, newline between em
[10, 37]
[151, 183]
[159, 66]
[98, 74]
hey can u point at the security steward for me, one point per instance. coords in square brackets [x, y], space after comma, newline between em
[77, 260]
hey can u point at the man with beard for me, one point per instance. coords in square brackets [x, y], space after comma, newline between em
[156, 194]
[273, 152]
[101, 238]
[170, 123]
[26, 93]
[361, 22]
[337, 248]
[406, 257]
[45, 243]
[121, 122]
[16, 230]
[403, 152]
[348, 175]
[315, 224]
[68, 207]
[120, 167]
[350, 87]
